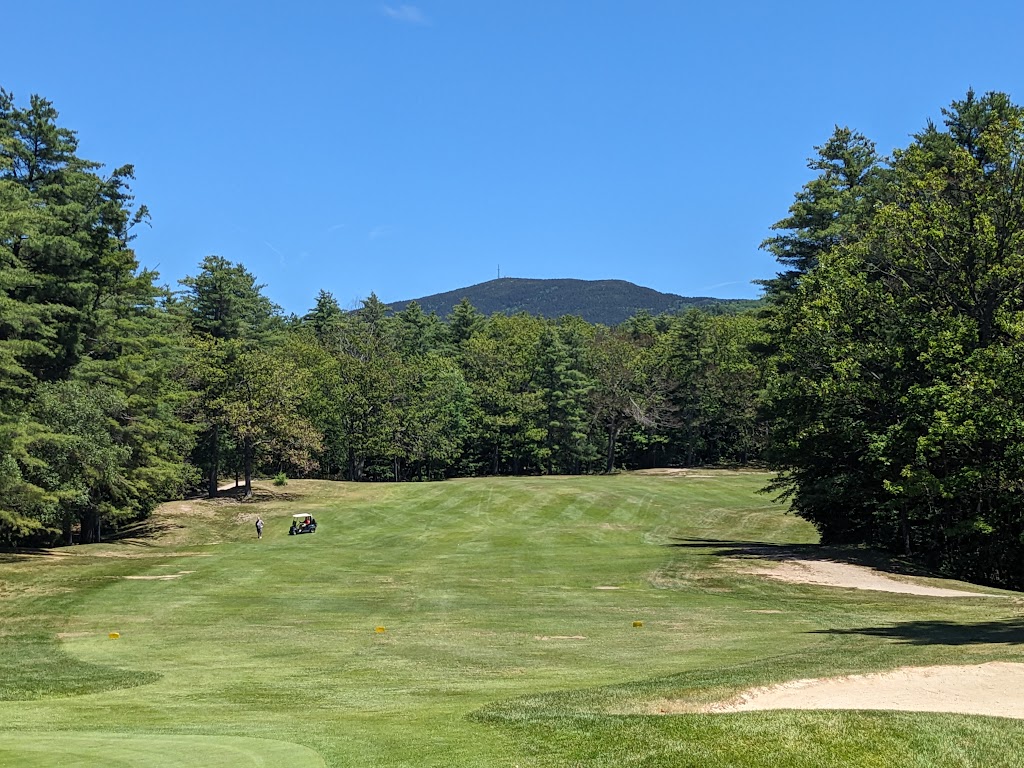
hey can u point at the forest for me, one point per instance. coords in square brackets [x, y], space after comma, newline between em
[882, 379]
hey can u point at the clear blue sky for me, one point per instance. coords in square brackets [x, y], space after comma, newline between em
[412, 148]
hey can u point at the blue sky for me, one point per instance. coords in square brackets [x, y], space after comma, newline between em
[414, 148]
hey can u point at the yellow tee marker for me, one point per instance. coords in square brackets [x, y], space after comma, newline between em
[638, 623]
[114, 635]
[379, 630]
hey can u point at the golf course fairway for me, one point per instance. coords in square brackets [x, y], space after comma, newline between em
[557, 621]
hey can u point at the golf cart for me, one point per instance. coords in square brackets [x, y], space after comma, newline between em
[302, 523]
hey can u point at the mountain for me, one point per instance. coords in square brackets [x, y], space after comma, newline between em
[609, 302]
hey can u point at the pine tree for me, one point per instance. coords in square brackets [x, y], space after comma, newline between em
[79, 315]
[228, 316]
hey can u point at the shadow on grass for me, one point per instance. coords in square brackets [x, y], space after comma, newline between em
[237, 495]
[759, 550]
[35, 666]
[143, 533]
[19, 554]
[1007, 631]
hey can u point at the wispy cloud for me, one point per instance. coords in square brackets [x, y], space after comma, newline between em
[724, 285]
[378, 232]
[407, 14]
[280, 255]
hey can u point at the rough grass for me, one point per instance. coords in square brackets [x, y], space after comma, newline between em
[507, 607]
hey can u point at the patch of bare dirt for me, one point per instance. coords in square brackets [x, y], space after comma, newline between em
[674, 472]
[144, 555]
[161, 577]
[835, 574]
[995, 688]
[559, 637]
[230, 495]
[12, 593]
[246, 517]
[604, 587]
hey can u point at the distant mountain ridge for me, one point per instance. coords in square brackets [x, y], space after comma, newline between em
[609, 302]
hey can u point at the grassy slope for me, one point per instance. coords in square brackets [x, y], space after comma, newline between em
[485, 588]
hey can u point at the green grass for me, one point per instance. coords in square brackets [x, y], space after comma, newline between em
[500, 648]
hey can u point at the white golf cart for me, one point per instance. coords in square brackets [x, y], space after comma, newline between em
[302, 523]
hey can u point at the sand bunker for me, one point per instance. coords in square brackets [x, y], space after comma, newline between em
[833, 574]
[996, 689]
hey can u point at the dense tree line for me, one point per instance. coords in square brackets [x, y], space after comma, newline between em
[90, 431]
[117, 393]
[882, 379]
[898, 411]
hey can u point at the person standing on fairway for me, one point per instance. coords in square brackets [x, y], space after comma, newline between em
[259, 527]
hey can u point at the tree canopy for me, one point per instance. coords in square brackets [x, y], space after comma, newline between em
[898, 408]
[881, 377]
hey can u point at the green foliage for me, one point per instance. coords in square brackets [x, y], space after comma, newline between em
[829, 210]
[224, 302]
[280, 479]
[89, 435]
[325, 319]
[630, 387]
[402, 396]
[897, 405]
[247, 388]
[718, 387]
[108, 383]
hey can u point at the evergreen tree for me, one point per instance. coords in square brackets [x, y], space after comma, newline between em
[325, 319]
[564, 390]
[499, 363]
[718, 387]
[829, 209]
[88, 431]
[900, 376]
[464, 321]
[229, 317]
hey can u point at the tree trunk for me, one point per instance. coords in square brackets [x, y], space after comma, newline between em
[355, 464]
[247, 453]
[89, 527]
[613, 434]
[905, 525]
[214, 461]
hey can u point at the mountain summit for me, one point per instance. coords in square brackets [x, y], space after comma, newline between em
[609, 302]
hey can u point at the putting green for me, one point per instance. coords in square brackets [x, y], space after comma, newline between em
[76, 749]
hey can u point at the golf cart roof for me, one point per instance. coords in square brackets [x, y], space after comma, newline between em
[302, 514]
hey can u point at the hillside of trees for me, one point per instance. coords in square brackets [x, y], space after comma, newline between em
[609, 302]
[881, 379]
